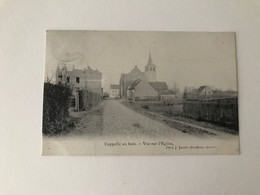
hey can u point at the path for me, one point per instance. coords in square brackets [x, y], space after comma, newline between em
[120, 120]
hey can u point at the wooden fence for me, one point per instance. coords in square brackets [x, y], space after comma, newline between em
[88, 99]
[222, 111]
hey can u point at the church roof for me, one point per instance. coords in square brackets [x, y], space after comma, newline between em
[135, 70]
[134, 84]
[159, 86]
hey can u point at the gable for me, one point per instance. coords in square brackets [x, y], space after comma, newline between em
[143, 89]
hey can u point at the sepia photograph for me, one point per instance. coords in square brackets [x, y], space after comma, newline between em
[140, 93]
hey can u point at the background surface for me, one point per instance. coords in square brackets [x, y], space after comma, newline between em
[22, 58]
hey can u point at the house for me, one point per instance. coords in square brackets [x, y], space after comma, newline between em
[114, 91]
[141, 90]
[77, 79]
[93, 80]
[205, 91]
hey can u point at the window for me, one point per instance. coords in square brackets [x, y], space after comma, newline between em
[68, 79]
[153, 68]
[60, 76]
[77, 79]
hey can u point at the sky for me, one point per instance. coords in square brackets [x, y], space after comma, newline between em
[182, 58]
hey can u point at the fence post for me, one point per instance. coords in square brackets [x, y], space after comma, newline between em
[77, 100]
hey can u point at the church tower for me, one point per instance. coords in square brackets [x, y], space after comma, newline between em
[150, 70]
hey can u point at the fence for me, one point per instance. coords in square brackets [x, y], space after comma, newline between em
[223, 111]
[88, 99]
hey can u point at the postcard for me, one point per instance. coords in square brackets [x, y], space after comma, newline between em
[140, 93]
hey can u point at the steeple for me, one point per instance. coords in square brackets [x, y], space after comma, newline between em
[150, 61]
[150, 70]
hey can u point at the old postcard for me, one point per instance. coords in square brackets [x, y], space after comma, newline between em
[140, 93]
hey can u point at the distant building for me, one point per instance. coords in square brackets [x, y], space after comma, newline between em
[168, 95]
[141, 90]
[205, 91]
[87, 79]
[145, 81]
[114, 91]
[127, 79]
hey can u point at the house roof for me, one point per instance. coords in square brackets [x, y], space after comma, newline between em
[203, 87]
[90, 70]
[77, 71]
[159, 86]
[134, 84]
[114, 86]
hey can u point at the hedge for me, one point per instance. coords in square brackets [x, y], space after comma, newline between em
[56, 103]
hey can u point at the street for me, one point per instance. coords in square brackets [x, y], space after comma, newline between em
[113, 122]
[122, 121]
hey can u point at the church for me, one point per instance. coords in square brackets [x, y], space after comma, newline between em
[138, 85]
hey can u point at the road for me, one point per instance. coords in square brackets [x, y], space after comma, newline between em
[120, 120]
[113, 122]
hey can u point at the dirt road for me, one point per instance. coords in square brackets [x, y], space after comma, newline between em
[123, 121]
[113, 122]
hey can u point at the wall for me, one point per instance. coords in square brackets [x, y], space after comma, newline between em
[114, 93]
